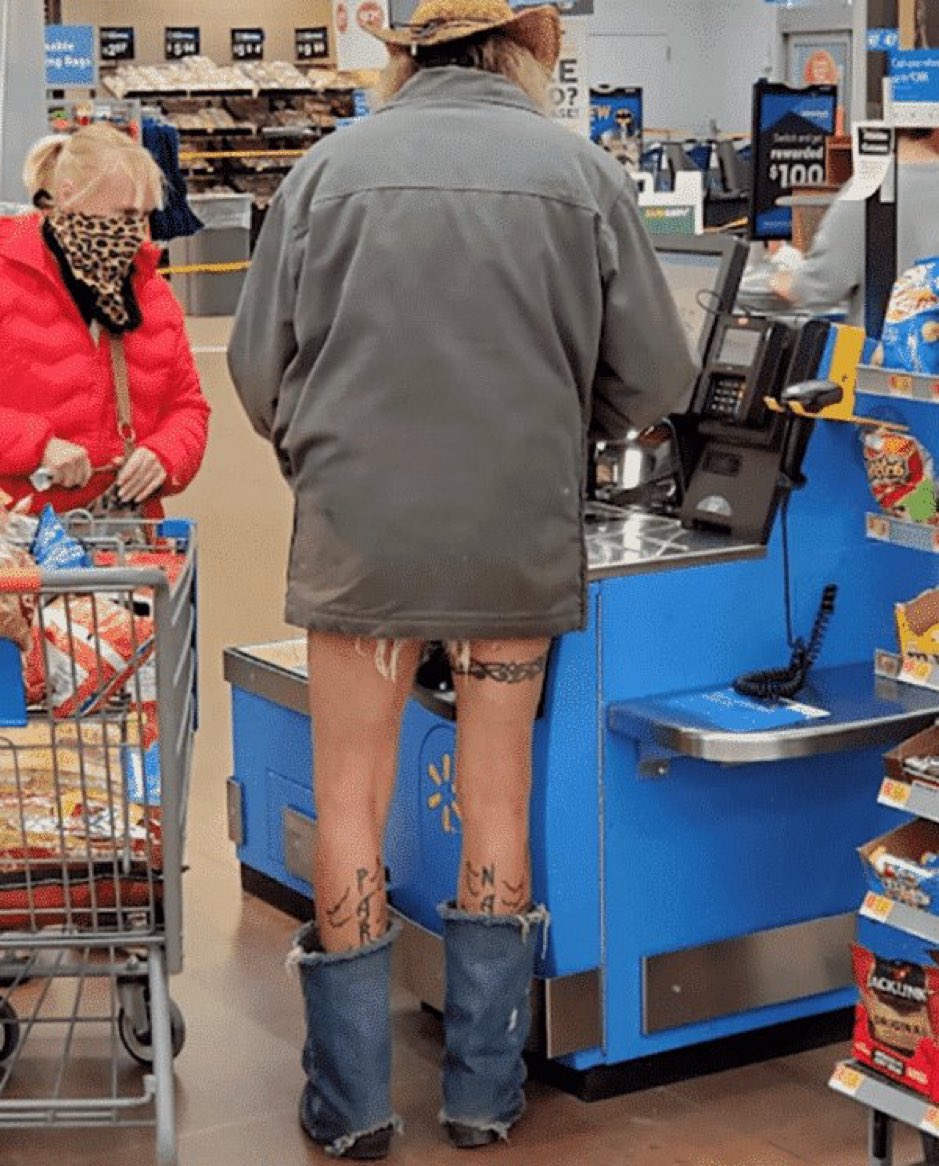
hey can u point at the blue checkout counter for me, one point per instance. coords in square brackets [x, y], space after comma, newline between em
[698, 860]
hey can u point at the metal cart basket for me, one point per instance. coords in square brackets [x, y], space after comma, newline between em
[94, 776]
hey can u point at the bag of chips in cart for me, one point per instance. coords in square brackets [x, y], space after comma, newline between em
[84, 651]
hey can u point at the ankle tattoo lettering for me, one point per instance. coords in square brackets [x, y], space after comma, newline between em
[369, 917]
[482, 891]
[363, 905]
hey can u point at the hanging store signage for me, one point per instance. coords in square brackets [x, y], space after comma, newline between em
[311, 44]
[570, 93]
[616, 122]
[116, 44]
[70, 55]
[182, 42]
[914, 80]
[355, 48]
[247, 44]
[789, 132]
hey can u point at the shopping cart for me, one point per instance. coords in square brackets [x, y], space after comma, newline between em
[94, 775]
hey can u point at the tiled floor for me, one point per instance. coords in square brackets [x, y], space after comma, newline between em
[238, 1076]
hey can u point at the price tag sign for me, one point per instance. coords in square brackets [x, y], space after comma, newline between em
[877, 907]
[930, 1122]
[182, 42]
[846, 1080]
[789, 131]
[116, 44]
[311, 44]
[902, 386]
[247, 44]
[895, 793]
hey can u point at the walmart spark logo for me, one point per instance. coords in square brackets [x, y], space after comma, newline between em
[443, 797]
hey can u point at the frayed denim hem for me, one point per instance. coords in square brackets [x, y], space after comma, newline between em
[299, 954]
[485, 1126]
[340, 1146]
[535, 917]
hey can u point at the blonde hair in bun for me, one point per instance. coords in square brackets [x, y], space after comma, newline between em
[87, 158]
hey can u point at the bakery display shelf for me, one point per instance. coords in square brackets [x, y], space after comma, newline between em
[885, 382]
[217, 132]
[912, 797]
[880, 909]
[292, 131]
[916, 536]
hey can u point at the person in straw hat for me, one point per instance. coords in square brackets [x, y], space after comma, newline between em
[446, 300]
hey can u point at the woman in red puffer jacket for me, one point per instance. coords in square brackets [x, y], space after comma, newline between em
[80, 296]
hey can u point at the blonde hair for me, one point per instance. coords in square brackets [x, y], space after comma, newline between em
[490, 53]
[89, 157]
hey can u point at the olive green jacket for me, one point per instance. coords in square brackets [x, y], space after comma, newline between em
[444, 299]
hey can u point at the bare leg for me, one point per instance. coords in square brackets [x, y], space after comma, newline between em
[497, 698]
[356, 718]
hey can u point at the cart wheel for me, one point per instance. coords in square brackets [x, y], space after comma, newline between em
[9, 1030]
[931, 1150]
[140, 1044]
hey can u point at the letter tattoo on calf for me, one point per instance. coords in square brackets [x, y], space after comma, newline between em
[361, 905]
[370, 918]
[484, 892]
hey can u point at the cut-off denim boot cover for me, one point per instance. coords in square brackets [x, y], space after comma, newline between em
[346, 1102]
[490, 961]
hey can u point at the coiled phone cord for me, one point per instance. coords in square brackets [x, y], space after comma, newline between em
[776, 684]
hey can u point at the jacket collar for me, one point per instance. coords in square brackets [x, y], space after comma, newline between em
[455, 85]
[23, 244]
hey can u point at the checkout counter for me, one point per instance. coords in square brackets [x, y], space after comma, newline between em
[696, 849]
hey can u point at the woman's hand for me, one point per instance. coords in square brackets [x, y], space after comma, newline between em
[68, 463]
[141, 475]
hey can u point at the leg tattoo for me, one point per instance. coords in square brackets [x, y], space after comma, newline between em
[483, 893]
[503, 671]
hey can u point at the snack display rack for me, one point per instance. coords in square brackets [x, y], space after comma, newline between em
[887, 1101]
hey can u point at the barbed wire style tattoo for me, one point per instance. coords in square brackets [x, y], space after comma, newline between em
[503, 671]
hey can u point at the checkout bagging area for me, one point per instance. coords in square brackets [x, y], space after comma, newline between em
[709, 755]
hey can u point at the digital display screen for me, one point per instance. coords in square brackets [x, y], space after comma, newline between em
[692, 280]
[739, 347]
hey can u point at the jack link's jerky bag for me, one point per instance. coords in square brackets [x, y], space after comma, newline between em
[911, 330]
[900, 473]
[900, 1002]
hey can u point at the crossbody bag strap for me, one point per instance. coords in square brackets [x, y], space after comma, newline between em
[125, 419]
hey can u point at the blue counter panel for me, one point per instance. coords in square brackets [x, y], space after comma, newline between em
[273, 765]
[423, 843]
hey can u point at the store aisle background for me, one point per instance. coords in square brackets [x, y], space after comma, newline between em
[238, 1077]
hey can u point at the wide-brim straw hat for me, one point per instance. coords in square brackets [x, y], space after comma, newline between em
[434, 22]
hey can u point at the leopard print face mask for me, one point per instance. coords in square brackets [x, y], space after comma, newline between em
[100, 251]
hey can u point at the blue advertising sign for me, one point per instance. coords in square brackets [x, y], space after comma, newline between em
[616, 123]
[70, 55]
[790, 127]
[915, 77]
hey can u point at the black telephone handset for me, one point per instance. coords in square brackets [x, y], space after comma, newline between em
[748, 360]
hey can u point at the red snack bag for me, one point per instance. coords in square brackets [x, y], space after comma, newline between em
[88, 648]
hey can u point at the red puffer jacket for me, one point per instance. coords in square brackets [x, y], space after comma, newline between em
[56, 381]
